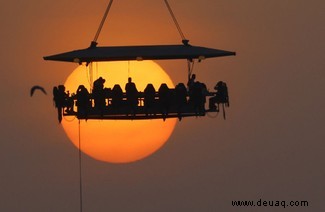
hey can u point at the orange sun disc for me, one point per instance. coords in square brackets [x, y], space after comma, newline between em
[119, 141]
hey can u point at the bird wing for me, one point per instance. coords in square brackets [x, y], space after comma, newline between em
[37, 87]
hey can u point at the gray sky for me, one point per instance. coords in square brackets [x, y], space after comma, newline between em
[270, 148]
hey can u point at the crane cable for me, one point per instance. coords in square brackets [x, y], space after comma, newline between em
[176, 22]
[102, 22]
[94, 42]
[190, 62]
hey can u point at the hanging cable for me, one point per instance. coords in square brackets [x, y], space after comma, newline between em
[91, 74]
[184, 40]
[129, 68]
[94, 42]
[80, 171]
[190, 67]
[96, 77]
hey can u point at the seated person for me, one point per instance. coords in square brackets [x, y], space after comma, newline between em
[117, 96]
[220, 97]
[164, 98]
[149, 97]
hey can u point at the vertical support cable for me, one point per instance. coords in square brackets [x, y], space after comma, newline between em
[80, 171]
[129, 68]
[91, 75]
[190, 67]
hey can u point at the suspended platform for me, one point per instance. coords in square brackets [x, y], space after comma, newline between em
[140, 114]
[147, 52]
[123, 111]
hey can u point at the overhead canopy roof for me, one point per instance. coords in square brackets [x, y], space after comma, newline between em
[153, 52]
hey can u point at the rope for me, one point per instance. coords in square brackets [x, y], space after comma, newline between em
[87, 75]
[175, 21]
[190, 67]
[129, 68]
[91, 74]
[103, 21]
[80, 173]
[96, 77]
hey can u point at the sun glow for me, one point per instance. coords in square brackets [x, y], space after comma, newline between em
[119, 141]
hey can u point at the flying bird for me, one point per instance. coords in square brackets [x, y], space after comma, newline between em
[36, 87]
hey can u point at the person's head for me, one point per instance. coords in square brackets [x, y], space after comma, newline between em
[129, 79]
[61, 88]
[102, 80]
[193, 76]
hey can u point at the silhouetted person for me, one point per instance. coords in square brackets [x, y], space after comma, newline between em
[55, 96]
[149, 97]
[181, 98]
[190, 84]
[99, 94]
[164, 99]
[190, 87]
[197, 98]
[205, 92]
[221, 97]
[60, 100]
[117, 96]
[83, 101]
[131, 95]
[191, 81]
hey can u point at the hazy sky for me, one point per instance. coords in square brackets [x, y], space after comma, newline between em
[270, 148]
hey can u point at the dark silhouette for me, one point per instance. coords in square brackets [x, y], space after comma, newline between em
[83, 101]
[191, 82]
[164, 99]
[131, 95]
[221, 97]
[99, 94]
[149, 98]
[190, 88]
[164, 103]
[181, 98]
[60, 100]
[117, 96]
[37, 87]
[198, 97]
[205, 93]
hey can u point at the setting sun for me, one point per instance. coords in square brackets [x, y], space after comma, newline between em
[119, 141]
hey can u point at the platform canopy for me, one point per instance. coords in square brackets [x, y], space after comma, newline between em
[149, 52]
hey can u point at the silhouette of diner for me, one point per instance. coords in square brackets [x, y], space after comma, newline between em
[149, 99]
[131, 92]
[107, 103]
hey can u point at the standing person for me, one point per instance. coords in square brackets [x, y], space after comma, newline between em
[131, 95]
[191, 82]
[99, 94]
[190, 87]
[60, 100]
